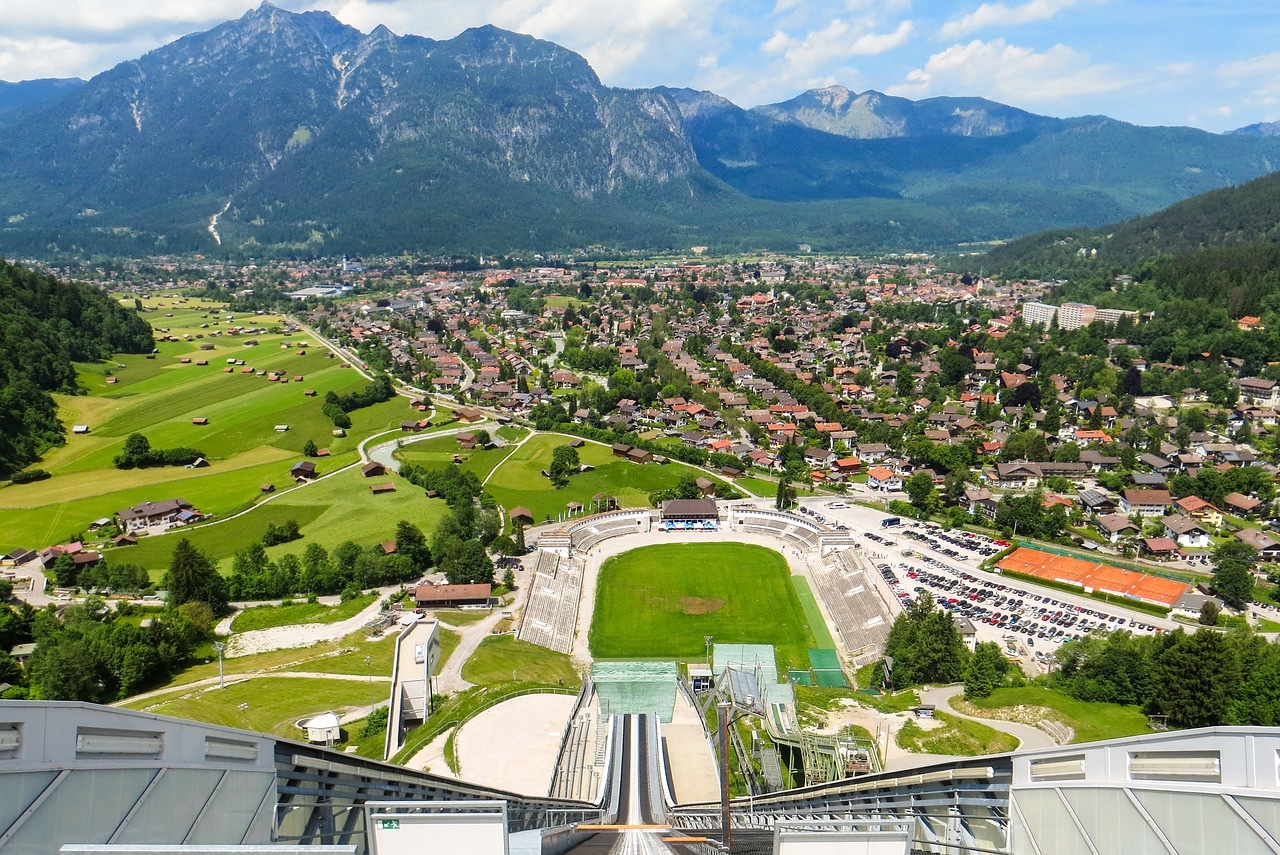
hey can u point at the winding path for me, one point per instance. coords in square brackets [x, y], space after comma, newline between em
[1027, 736]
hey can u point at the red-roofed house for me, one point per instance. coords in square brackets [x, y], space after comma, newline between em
[884, 480]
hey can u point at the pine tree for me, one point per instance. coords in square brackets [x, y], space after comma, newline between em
[192, 577]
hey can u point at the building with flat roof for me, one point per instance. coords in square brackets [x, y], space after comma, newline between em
[1039, 314]
[1072, 316]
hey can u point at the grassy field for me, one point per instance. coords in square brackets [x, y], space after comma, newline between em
[957, 736]
[757, 486]
[505, 659]
[266, 617]
[328, 511]
[274, 704]
[519, 481]
[160, 397]
[659, 602]
[439, 452]
[1090, 721]
[461, 617]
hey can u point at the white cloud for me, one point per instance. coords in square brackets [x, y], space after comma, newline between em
[86, 17]
[1265, 65]
[999, 15]
[839, 40]
[613, 36]
[1259, 76]
[1012, 74]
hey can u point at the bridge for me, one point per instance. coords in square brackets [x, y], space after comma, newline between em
[75, 774]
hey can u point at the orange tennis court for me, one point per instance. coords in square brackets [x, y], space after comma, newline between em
[1092, 576]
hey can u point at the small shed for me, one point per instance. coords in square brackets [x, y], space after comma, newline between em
[322, 729]
[282, 428]
[378, 489]
[373, 468]
[303, 470]
[521, 514]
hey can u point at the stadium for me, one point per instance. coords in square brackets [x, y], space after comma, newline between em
[77, 777]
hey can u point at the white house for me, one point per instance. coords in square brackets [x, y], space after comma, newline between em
[884, 480]
[1186, 531]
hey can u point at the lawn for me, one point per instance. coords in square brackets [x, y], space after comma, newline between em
[957, 736]
[273, 704]
[266, 617]
[660, 602]
[519, 480]
[161, 396]
[439, 452]
[1090, 721]
[328, 511]
[757, 486]
[461, 617]
[505, 659]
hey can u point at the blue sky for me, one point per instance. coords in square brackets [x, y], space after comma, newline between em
[1176, 62]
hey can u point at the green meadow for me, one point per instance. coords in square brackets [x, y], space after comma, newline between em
[329, 511]
[438, 452]
[160, 397]
[519, 481]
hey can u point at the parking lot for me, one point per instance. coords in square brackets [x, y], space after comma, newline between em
[1029, 621]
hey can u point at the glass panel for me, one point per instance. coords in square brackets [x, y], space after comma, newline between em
[171, 807]
[1265, 812]
[233, 808]
[17, 791]
[1201, 823]
[86, 807]
[1112, 822]
[1047, 823]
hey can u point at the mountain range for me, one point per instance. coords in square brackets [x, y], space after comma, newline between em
[287, 132]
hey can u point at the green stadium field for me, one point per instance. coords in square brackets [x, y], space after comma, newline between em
[660, 602]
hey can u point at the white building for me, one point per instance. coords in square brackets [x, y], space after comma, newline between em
[1039, 314]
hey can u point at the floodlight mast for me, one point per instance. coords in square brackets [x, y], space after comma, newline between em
[218, 647]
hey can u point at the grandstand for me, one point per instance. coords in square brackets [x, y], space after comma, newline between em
[584, 756]
[551, 614]
[799, 532]
[589, 531]
[860, 616]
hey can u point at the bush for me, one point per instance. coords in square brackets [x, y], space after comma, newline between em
[376, 723]
[29, 475]
[139, 454]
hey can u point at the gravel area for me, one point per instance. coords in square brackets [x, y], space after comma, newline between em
[299, 635]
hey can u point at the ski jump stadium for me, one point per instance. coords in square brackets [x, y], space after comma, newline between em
[82, 778]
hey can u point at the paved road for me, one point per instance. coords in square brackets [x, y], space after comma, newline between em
[384, 452]
[1027, 736]
[449, 679]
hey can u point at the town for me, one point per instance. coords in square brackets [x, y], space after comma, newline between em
[941, 393]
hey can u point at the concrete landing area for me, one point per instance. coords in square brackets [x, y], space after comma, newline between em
[514, 745]
[693, 766]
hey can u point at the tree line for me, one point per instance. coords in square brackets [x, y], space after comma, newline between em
[46, 326]
[1197, 679]
[95, 653]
